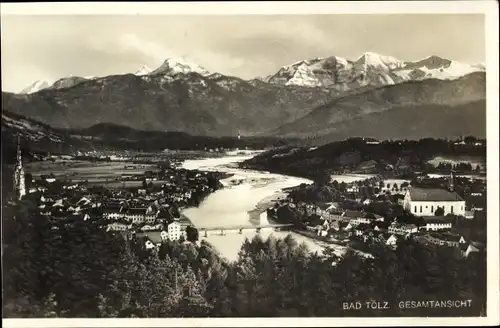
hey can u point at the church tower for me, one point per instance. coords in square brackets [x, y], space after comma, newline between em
[451, 185]
[19, 183]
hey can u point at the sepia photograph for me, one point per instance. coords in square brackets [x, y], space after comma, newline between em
[208, 162]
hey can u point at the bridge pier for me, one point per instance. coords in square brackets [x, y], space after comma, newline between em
[239, 229]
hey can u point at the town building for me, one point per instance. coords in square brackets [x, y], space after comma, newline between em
[174, 230]
[352, 188]
[155, 227]
[434, 223]
[153, 239]
[425, 202]
[118, 226]
[354, 216]
[402, 229]
[448, 239]
[361, 229]
[392, 240]
[113, 212]
[136, 215]
[470, 249]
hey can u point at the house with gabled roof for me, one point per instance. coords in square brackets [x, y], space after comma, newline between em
[425, 201]
[468, 248]
[152, 239]
[392, 240]
[118, 226]
[112, 212]
[155, 227]
[361, 229]
[136, 215]
[435, 223]
[447, 238]
[402, 228]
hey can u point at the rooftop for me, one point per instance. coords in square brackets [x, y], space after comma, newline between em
[430, 194]
[438, 219]
[154, 236]
[352, 214]
[141, 211]
[447, 236]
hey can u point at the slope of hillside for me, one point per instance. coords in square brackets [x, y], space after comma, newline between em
[36, 136]
[413, 96]
[212, 105]
[68, 82]
[433, 121]
[355, 155]
[39, 137]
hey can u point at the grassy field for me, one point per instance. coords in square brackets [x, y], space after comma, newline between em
[122, 184]
[101, 173]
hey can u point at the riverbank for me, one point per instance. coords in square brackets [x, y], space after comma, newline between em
[265, 203]
[338, 249]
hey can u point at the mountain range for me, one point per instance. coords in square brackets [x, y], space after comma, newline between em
[370, 69]
[322, 98]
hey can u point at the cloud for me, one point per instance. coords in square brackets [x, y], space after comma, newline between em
[152, 50]
[156, 53]
[49, 47]
[18, 84]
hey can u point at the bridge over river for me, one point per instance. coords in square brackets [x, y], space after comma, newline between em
[221, 231]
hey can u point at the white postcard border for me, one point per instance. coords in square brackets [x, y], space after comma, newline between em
[488, 8]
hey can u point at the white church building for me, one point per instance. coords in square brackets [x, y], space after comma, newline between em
[425, 201]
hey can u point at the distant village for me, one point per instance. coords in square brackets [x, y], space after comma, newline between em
[437, 212]
[149, 212]
[390, 212]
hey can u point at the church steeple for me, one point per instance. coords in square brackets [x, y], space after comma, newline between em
[19, 183]
[19, 155]
[451, 185]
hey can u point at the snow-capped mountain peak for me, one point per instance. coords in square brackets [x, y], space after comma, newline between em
[451, 71]
[173, 66]
[35, 87]
[374, 60]
[143, 70]
[480, 67]
[369, 69]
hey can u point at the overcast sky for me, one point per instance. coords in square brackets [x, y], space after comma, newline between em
[50, 47]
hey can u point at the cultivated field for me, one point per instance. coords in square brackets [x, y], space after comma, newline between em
[100, 173]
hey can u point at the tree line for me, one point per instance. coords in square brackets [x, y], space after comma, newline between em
[390, 158]
[54, 268]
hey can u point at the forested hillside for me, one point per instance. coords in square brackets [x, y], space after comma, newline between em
[73, 269]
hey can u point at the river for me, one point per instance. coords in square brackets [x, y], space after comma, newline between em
[230, 206]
